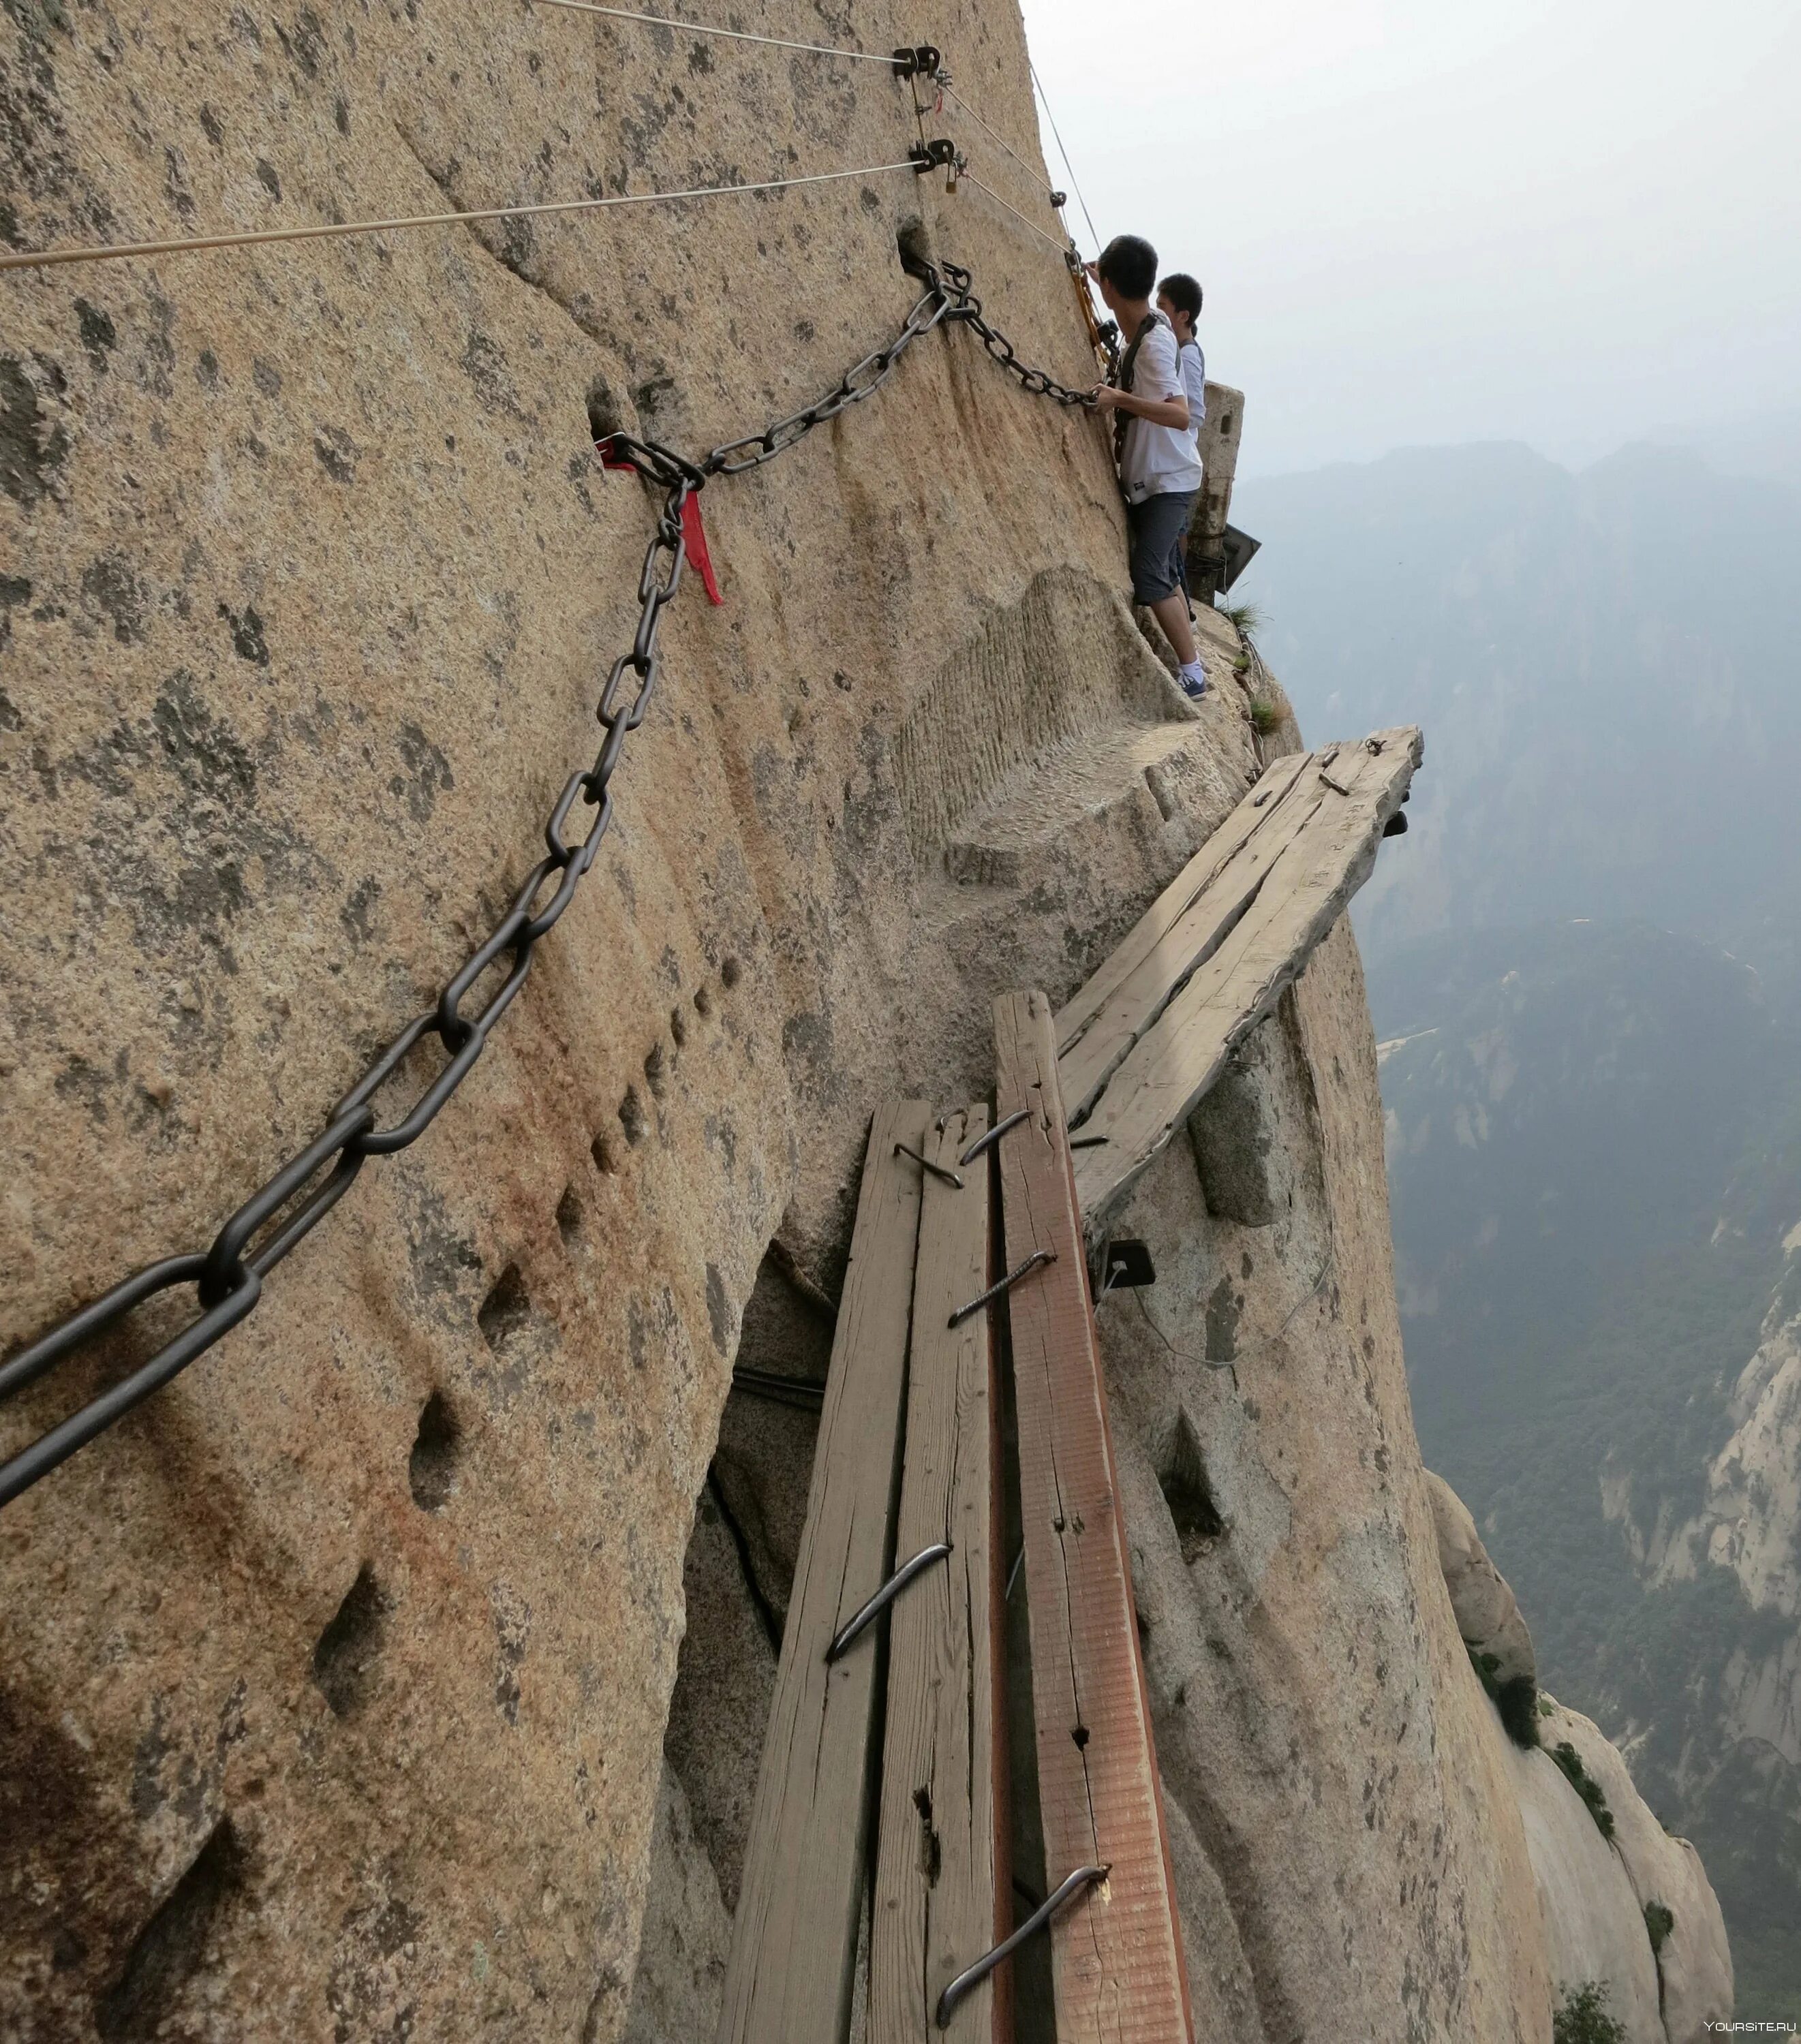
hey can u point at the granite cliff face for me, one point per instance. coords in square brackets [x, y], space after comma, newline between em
[1751, 1518]
[345, 1689]
[1724, 1749]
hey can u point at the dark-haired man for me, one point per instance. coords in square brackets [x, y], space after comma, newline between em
[1159, 468]
[1179, 300]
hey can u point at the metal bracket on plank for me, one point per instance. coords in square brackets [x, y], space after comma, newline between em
[993, 1135]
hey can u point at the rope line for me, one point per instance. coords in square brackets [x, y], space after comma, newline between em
[1044, 184]
[730, 35]
[1075, 182]
[113, 252]
[970, 178]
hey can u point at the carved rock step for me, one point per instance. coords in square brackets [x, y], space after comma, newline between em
[1080, 790]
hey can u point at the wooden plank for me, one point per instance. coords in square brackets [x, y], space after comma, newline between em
[942, 1878]
[1116, 1953]
[1086, 1063]
[1157, 1085]
[794, 1942]
[1254, 814]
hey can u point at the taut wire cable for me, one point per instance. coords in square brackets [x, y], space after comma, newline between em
[970, 178]
[113, 252]
[730, 35]
[1075, 184]
[1044, 184]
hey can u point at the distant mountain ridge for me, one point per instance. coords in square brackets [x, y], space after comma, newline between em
[1761, 444]
[1607, 666]
[1585, 966]
[1593, 1138]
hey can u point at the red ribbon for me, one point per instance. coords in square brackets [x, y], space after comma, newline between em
[693, 537]
[693, 533]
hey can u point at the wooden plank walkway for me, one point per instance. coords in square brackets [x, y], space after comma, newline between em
[793, 1943]
[1150, 1032]
[1116, 1951]
[943, 1882]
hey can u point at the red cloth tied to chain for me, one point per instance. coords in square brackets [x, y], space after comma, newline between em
[694, 536]
[693, 533]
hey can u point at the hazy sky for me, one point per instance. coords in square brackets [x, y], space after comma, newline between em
[1430, 220]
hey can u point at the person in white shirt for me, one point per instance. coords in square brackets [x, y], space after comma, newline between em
[1179, 300]
[1154, 441]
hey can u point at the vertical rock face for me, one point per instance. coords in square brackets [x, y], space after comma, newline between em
[687, 1935]
[1716, 1718]
[1750, 1522]
[337, 1681]
[1595, 1933]
[1488, 1613]
[1318, 1728]
[1693, 1964]
[1628, 1910]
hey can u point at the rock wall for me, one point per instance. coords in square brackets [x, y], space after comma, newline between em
[1751, 1518]
[1627, 1912]
[1317, 1723]
[338, 1681]
[1717, 1738]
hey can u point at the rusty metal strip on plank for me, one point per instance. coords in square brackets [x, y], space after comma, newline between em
[1116, 1959]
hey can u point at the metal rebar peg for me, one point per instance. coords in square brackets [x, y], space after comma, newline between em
[937, 1170]
[971, 1977]
[1006, 1284]
[886, 1594]
[993, 1135]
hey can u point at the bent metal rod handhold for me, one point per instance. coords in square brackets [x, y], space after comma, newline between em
[971, 1977]
[886, 1594]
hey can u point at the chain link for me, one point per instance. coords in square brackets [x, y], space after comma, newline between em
[229, 1275]
[968, 308]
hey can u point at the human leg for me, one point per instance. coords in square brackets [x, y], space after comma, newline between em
[1172, 612]
[1156, 526]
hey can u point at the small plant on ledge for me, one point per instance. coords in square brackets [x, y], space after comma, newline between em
[1516, 1699]
[1583, 2018]
[1659, 1920]
[1266, 716]
[1586, 1786]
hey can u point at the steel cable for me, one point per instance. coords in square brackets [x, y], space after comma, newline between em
[113, 252]
[729, 35]
[1031, 226]
[1075, 185]
[999, 140]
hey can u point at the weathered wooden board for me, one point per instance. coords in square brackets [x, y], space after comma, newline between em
[1252, 814]
[794, 1942]
[1161, 1036]
[1088, 1057]
[942, 1881]
[1116, 1952]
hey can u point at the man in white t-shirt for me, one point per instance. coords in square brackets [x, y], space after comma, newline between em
[1154, 440]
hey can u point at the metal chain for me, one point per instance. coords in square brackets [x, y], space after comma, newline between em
[228, 1276]
[968, 308]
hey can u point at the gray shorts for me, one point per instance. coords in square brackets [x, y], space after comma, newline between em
[1155, 527]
